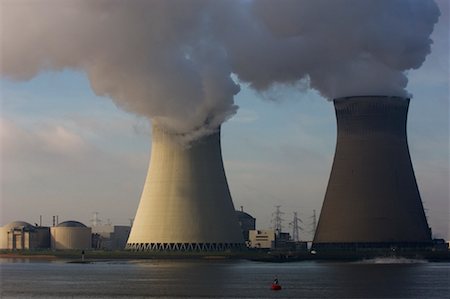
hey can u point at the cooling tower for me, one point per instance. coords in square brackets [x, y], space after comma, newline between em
[186, 204]
[372, 199]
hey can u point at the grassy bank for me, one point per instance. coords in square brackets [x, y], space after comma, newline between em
[263, 256]
[126, 255]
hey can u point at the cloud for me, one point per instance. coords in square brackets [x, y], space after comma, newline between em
[246, 116]
[48, 169]
[174, 61]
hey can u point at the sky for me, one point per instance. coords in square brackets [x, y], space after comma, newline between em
[66, 151]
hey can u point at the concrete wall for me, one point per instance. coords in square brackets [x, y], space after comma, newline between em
[185, 197]
[70, 237]
[3, 238]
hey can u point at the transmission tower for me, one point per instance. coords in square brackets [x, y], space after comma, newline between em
[296, 227]
[277, 220]
[313, 223]
[95, 220]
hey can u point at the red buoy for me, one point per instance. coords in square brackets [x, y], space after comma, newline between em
[275, 287]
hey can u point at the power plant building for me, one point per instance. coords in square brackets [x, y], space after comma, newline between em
[372, 199]
[264, 239]
[71, 235]
[186, 204]
[246, 222]
[110, 237]
[19, 235]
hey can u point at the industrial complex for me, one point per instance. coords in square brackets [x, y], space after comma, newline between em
[68, 235]
[19, 235]
[372, 201]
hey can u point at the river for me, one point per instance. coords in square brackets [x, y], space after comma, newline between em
[379, 278]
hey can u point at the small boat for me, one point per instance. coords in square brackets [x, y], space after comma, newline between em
[275, 287]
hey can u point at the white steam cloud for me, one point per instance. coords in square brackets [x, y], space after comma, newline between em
[172, 60]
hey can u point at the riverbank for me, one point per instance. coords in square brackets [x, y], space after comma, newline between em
[261, 256]
[123, 255]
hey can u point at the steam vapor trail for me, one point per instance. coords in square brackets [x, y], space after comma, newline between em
[172, 60]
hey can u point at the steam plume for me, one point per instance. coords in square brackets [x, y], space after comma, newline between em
[172, 60]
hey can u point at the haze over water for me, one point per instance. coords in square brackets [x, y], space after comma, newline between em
[223, 279]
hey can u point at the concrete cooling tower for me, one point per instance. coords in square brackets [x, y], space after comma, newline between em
[372, 199]
[186, 204]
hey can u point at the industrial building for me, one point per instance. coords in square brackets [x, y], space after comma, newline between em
[247, 223]
[186, 203]
[110, 237]
[262, 238]
[372, 199]
[274, 240]
[70, 235]
[20, 235]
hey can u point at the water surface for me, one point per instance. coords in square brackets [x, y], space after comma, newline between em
[22, 278]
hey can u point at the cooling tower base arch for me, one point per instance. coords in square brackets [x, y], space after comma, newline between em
[356, 246]
[184, 246]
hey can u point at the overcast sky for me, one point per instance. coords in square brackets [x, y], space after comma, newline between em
[66, 151]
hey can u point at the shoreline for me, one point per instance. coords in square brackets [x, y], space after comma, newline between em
[269, 257]
[34, 256]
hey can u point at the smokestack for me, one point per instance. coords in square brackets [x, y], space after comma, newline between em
[186, 203]
[372, 199]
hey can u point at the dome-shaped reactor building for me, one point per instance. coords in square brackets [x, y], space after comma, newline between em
[19, 235]
[372, 199]
[71, 235]
[186, 204]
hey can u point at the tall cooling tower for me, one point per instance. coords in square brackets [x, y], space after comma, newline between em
[186, 204]
[372, 199]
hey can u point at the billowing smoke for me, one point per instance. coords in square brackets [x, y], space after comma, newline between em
[172, 60]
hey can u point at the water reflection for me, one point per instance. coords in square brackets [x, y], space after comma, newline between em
[222, 279]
